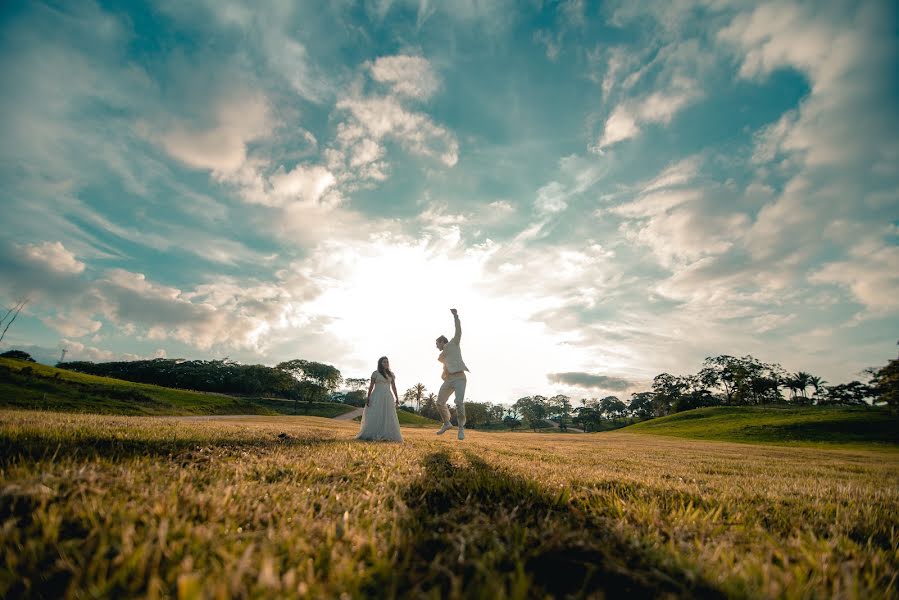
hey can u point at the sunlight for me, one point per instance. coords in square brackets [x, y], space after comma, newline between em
[393, 299]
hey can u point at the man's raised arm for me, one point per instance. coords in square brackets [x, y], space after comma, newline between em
[458, 335]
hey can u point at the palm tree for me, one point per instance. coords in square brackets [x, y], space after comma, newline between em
[418, 391]
[803, 380]
[817, 383]
[790, 382]
[431, 405]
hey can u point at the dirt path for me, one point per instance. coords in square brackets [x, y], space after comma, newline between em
[350, 415]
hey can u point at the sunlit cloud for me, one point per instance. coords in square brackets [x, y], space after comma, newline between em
[623, 190]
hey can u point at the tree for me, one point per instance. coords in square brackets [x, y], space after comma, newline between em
[744, 380]
[532, 409]
[419, 391]
[496, 413]
[817, 383]
[588, 415]
[354, 398]
[562, 408]
[666, 391]
[429, 407]
[511, 422]
[408, 396]
[611, 407]
[885, 383]
[797, 383]
[11, 314]
[475, 413]
[17, 355]
[316, 380]
[641, 405]
[356, 383]
[854, 392]
[803, 380]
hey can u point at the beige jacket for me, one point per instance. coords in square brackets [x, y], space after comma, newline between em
[451, 355]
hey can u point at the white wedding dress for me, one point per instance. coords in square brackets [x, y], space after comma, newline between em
[379, 419]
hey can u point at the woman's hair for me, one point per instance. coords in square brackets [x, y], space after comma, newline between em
[384, 371]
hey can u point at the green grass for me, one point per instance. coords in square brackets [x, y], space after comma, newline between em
[111, 506]
[49, 388]
[410, 419]
[818, 425]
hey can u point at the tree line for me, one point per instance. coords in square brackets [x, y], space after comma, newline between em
[298, 379]
[722, 381]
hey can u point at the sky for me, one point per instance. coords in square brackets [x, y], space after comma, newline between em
[605, 191]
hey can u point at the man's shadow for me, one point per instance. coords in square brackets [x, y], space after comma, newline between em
[478, 531]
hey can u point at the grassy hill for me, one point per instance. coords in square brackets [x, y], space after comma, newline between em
[410, 419]
[40, 387]
[780, 425]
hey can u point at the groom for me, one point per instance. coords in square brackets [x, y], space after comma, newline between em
[453, 378]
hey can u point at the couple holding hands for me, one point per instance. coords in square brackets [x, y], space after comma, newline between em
[379, 418]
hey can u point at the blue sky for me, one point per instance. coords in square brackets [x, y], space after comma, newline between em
[606, 191]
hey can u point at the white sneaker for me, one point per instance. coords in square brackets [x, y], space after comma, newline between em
[443, 429]
[461, 433]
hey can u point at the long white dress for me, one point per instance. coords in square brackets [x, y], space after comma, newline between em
[379, 419]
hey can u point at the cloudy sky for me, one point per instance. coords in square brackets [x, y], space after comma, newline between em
[604, 191]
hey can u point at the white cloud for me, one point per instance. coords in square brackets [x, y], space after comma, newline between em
[551, 198]
[223, 146]
[677, 174]
[409, 76]
[384, 117]
[73, 325]
[844, 51]
[656, 202]
[305, 184]
[871, 274]
[53, 256]
[658, 107]
[76, 351]
[365, 152]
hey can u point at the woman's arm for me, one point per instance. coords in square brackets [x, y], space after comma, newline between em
[371, 386]
[395, 394]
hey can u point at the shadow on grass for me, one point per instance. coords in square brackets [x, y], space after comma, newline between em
[477, 531]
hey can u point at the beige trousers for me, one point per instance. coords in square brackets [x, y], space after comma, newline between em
[454, 383]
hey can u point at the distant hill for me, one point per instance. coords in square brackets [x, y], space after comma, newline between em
[780, 425]
[35, 386]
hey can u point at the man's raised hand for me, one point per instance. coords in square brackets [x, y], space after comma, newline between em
[453, 310]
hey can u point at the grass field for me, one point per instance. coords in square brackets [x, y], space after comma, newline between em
[814, 425]
[106, 506]
[49, 388]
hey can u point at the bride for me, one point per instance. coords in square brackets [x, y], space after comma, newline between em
[379, 420]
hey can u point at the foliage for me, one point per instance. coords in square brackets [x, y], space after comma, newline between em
[356, 383]
[852, 393]
[885, 383]
[222, 376]
[314, 381]
[17, 355]
[533, 410]
[354, 398]
[128, 507]
[36, 386]
[429, 407]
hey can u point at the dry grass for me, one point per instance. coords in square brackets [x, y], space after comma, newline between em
[162, 507]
